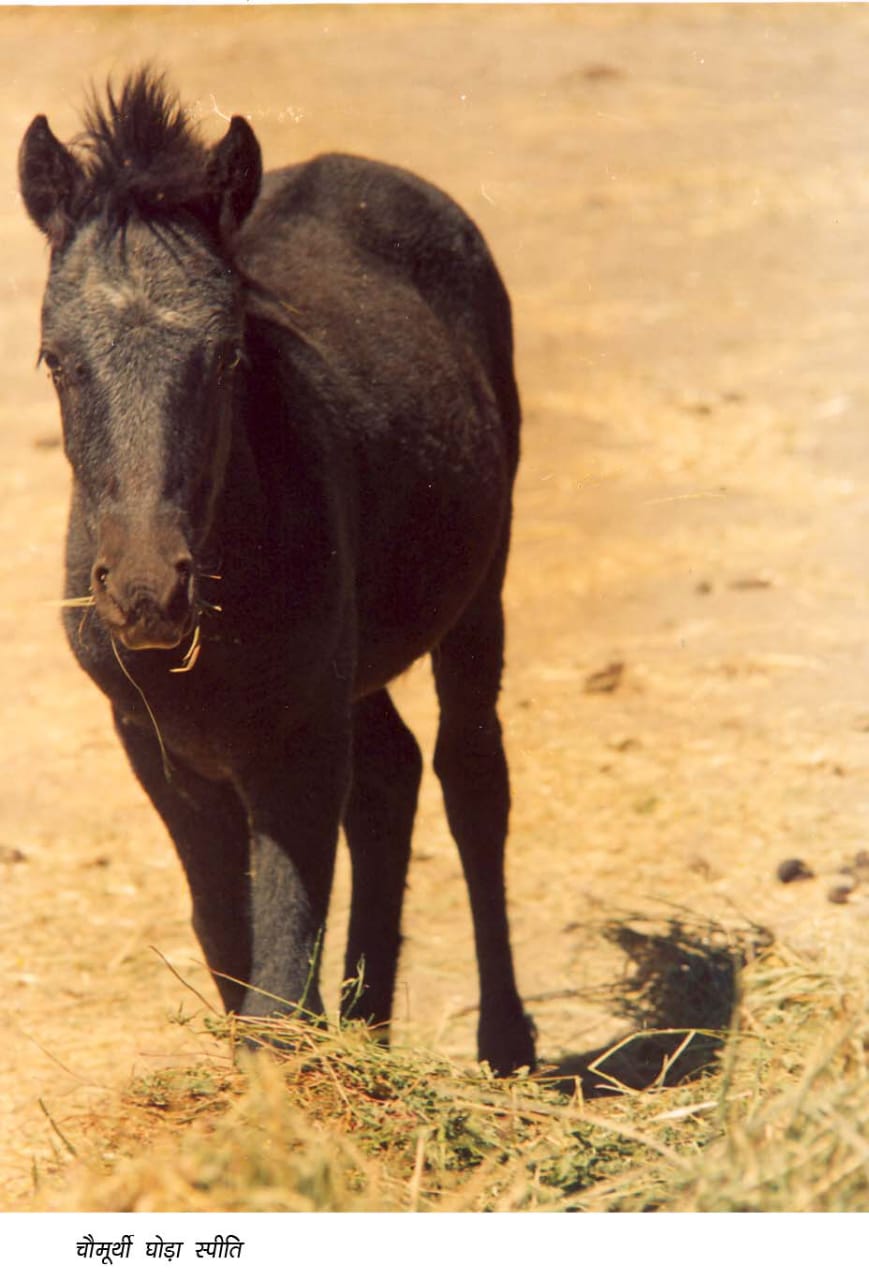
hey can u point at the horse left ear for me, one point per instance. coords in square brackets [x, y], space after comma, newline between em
[235, 171]
[49, 177]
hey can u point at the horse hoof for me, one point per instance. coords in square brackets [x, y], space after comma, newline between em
[509, 1049]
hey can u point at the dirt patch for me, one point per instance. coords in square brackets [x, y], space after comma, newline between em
[677, 198]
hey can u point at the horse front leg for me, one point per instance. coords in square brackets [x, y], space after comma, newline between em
[294, 793]
[378, 822]
[209, 827]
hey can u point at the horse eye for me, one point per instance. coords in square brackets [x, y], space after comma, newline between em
[230, 358]
[53, 365]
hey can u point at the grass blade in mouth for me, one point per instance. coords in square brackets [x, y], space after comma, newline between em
[167, 768]
[188, 662]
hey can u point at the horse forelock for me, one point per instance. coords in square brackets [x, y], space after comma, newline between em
[141, 157]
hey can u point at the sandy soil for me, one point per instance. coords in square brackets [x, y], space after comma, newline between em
[678, 198]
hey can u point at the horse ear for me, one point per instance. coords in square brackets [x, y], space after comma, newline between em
[49, 177]
[235, 172]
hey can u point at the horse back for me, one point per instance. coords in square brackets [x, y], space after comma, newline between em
[407, 233]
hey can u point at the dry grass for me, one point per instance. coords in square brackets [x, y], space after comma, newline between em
[775, 1117]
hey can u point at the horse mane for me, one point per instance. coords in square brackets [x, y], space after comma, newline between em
[141, 157]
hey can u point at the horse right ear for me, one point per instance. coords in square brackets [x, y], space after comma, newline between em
[235, 171]
[49, 177]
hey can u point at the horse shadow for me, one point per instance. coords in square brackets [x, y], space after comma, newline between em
[679, 996]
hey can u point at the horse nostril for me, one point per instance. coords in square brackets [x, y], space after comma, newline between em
[101, 574]
[184, 570]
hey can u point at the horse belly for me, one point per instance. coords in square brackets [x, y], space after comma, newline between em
[416, 581]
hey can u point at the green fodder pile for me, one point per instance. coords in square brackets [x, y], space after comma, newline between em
[761, 1105]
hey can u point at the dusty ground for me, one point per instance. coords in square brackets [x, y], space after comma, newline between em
[679, 200]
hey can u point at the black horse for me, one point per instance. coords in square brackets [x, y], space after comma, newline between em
[289, 407]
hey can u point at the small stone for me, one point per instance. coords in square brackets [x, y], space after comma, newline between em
[793, 869]
[10, 855]
[839, 892]
[607, 680]
[753, 582]
[602, 71]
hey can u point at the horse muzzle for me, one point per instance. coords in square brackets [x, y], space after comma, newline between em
[153, 632]
[146, 612]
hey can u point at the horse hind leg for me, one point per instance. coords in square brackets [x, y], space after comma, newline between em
[472, 768]
[378, 822]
